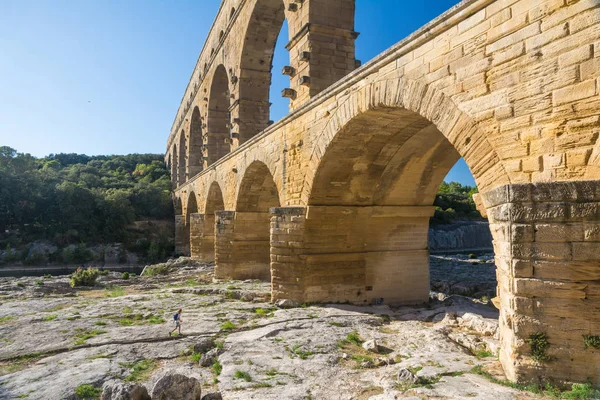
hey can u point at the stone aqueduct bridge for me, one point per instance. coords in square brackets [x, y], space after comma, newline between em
[332, 202]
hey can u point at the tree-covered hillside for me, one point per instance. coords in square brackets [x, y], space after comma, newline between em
[72, 199]
[454, 202]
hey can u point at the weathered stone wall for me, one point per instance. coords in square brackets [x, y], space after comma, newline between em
[546, 245]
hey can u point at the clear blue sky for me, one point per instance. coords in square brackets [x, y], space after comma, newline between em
[106, 77]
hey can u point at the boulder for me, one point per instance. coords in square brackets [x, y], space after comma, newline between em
[204, 345]
[209, 358]
[212, 396]
[405, 376]
[477, 323]
[119, 390]
[371, 345]
[177, 387]
[449, 319]
[287, 303]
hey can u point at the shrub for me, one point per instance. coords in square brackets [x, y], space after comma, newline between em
[217, 368]
[539, 344]
[114, 291]
[591, 341]
[354, 338]
[125, 275]
[160, 269]
[228, 326]
[87, 392]
[84, 277]
[141, 370]
[242, 375]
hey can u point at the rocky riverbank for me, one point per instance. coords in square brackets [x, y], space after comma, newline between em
[58, 342]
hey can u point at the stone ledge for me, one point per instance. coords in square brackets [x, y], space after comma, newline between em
[578, 192]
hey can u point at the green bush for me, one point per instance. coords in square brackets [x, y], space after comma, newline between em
[84, 277]
[591, 341]
[87, 392]
[242, 375]
[160, 269]
[125, 275]
[539, 345]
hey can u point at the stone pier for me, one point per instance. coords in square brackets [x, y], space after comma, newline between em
[242, 245]
[369, 255]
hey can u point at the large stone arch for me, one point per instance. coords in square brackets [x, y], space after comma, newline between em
[181, 167]
[218, 116]
[195, 159]
[256, 65]
[427, 106]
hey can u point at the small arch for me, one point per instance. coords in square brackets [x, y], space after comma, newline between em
[231, 13]
[256, 195]
[177, 206]
[214, 200]
[221, 35]
[174, 167]
[218, 116]
[191, 208]
[195, 158]
[257, 192]
[181, 173]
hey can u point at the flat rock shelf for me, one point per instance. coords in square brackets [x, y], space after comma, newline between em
[55, 339]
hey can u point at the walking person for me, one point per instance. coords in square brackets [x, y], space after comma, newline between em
[178, 321]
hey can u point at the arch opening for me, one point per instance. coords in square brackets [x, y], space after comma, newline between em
[218, 116]
[177, 206]
[258, 192]
[174, 167]
[203, 228]
[256, 64]
[249, 237]
[195, 161]
[370, 204]
[190, 210]
[214, 200]
[181, 172]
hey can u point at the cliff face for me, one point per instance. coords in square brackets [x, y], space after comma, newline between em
[460, 236]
